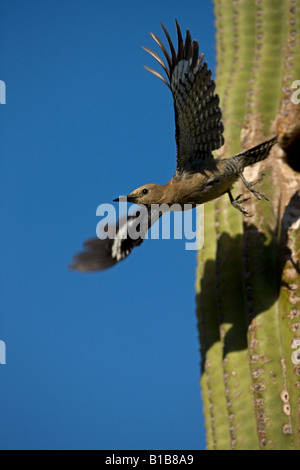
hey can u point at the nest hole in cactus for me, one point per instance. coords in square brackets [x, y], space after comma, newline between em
[293, 154]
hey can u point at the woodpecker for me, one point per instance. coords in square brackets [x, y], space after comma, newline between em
[199, 177]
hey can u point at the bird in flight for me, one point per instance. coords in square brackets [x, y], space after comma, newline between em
[199, 177]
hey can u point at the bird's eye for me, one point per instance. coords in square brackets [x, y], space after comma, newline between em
[145, 191]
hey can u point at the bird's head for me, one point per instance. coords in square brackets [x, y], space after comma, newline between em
[146, 195]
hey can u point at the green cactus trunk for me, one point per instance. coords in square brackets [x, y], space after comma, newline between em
[248, 279]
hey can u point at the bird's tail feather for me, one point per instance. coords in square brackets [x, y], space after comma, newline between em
[255, 154]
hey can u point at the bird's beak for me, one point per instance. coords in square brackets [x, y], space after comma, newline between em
[131, 198]
[125, 198]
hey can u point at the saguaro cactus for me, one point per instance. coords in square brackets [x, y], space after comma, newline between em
[248, 279]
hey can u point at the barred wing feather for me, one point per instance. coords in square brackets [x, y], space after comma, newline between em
[198, 117]
[99, 254]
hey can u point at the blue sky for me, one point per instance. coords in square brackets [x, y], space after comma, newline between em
[94, 361]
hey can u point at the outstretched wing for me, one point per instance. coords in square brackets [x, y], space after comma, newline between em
[101, 254]
[198, 116]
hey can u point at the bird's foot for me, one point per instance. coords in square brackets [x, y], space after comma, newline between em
[237, 203]
[249, 185]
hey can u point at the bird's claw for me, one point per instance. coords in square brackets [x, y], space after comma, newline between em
[249, 185]
[237, 203]
[259, 195]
